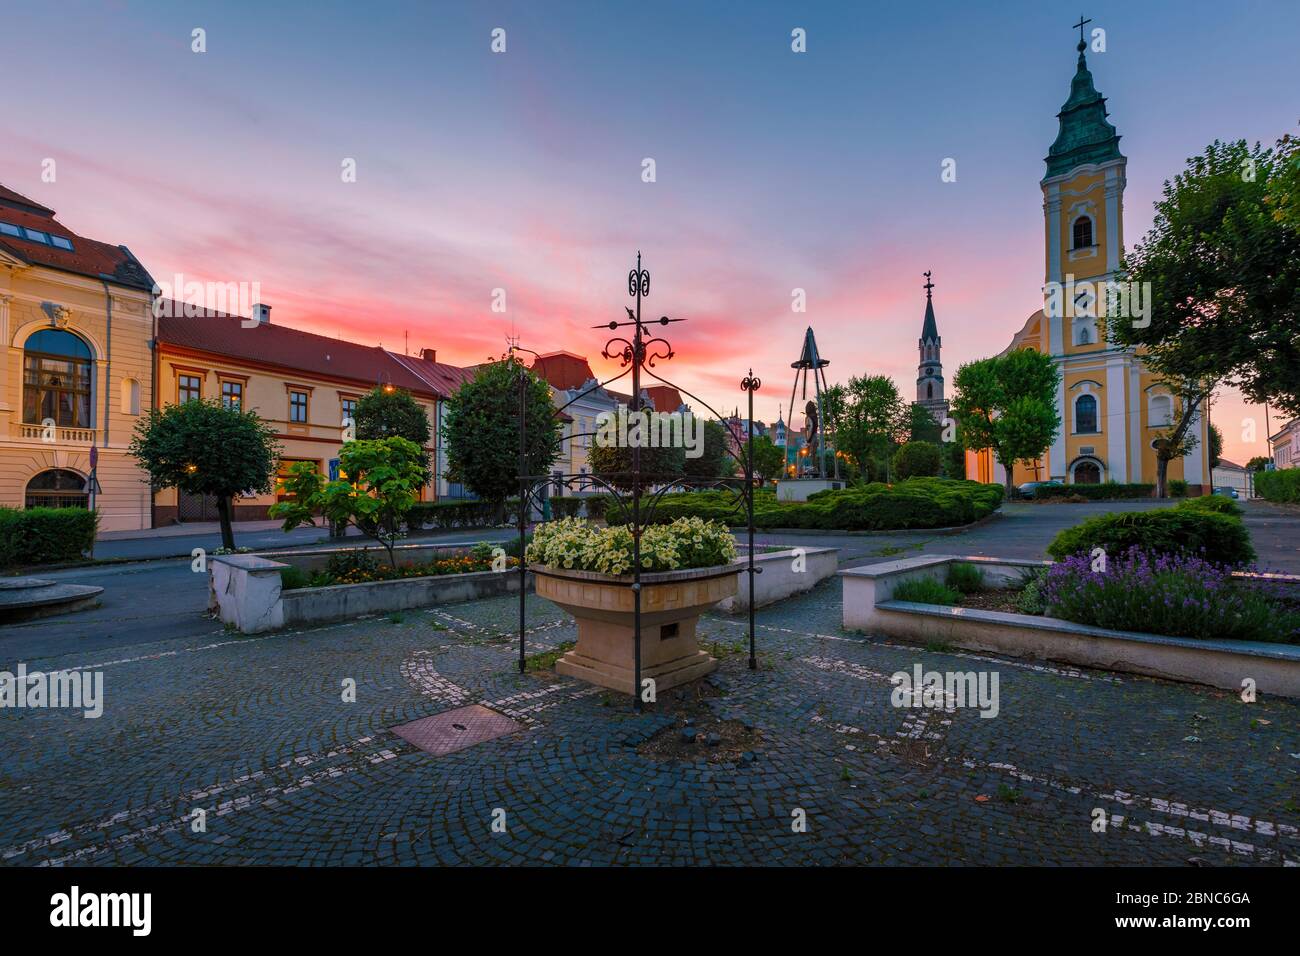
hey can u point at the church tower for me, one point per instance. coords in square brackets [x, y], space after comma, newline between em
[929, 371]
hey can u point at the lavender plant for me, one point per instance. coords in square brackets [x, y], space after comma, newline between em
[1174, 594]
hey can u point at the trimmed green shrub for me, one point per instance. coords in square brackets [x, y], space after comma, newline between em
[1220, 504]
[596, 504]
[1030, 599]
[1218, 538]
[1283, 485]
[966, 578]
[445, 515]
[1106, 491]
[292, 578]
[565, 507]
[917, 459]
[45, 535]
[1177, 488]
[914, 503]
[925, 591]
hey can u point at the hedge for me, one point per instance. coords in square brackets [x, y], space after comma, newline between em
[1281, 485]
[45, 535]
[914, 503]
[1189, 528]
[444, 515]
[1105, 491]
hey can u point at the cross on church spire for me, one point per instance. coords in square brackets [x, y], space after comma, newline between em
[928, 284]
[1081, 24]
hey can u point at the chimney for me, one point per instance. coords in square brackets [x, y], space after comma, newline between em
[262, 313]
[429, 355]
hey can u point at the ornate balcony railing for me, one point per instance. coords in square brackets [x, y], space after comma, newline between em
[58, 434]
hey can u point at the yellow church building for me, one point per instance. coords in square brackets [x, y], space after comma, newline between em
[1112, 408]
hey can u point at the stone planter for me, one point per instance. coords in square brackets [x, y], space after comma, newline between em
[602, 604]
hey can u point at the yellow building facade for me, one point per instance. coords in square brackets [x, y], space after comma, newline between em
[1112, 408]
[75, 324]
[304, 385]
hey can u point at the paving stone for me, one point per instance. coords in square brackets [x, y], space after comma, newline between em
[255, 731]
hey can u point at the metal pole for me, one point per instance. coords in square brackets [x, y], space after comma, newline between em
[523, 485]
[636, 501]
[750, 384]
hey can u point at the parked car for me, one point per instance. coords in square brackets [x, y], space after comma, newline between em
[1225, 490]
[1030, 488]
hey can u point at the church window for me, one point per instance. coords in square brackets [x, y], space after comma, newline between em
[1161, 411]
[1085, 415]
[1082, 232]
[929, 391]
[1084, 337]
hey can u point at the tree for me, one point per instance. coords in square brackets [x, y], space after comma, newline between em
[713, 462]
[954, 459]
[1220, 270]
[659, 466]
[1216, 446]
[200, 447]
[1258, 463]
[921, 425]
[379, 482]
[383, 412]
[873, 419]
[917, 459]
[1007, 404]
[482, 430]
[769, 459]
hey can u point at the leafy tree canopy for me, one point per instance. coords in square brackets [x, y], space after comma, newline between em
[715, 461]
[201, 447]
[1008, 404]
[379, 482]
[482, 430]
[1222, 260]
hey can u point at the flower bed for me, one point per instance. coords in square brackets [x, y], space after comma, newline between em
[1178, 595]
[1233, 640]
[357, 567]
[575, 545]
[914, 503]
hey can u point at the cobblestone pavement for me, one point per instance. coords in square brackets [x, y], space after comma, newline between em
[254, 731]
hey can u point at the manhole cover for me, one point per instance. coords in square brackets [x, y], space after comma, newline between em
[457, 729]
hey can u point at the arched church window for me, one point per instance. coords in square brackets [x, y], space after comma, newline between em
[1161, 412]
[929, 390]
[1082, 232]
[1084, 337]
[1085, 415]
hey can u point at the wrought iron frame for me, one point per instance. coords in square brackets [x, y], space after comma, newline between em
[638, 354]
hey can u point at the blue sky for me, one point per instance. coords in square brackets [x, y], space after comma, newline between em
[522, 170]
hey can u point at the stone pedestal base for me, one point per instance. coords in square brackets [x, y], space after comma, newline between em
[671, 603]
[604, 655]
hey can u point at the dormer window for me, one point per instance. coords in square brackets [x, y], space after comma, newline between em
[1082, 233]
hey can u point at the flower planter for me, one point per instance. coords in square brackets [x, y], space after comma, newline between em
[602, 604]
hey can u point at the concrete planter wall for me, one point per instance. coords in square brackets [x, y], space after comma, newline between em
[868, 606]
[602, 605]
[245, 591]
[779, 577]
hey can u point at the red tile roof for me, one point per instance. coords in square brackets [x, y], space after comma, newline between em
[563, 369]
[665, 398]
[225, 335]
[88, 257]
[444, 379]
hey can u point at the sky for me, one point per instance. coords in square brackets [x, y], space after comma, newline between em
[524, 170]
